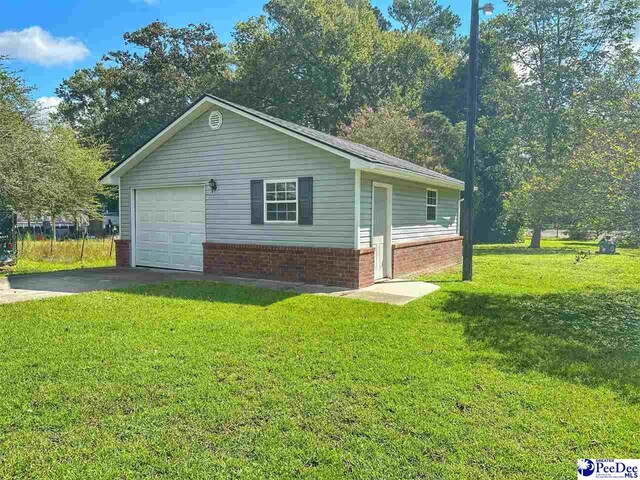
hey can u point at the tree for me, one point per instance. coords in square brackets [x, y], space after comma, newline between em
[557, 47]
[71, 174]
[19, 142]
[128, 96]
[427, 17]
[383, 23]
[44, 170]
[494, 135]
[429, 140]
[317, 62]
[600, 183]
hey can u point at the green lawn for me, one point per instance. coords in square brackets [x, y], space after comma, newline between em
[534, 365]
[36, 256]
[39, 266]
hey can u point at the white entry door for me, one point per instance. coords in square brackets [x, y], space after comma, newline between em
[170, 228]
[380, 232]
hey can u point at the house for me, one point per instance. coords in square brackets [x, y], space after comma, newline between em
[229, 190]
[41, 225]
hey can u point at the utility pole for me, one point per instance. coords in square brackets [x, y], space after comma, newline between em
[470, 156]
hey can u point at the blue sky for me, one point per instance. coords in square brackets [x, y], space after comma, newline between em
[54, 38]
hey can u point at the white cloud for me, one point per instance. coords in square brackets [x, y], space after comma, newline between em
[46, 106]
[48, 103]
[36, 45]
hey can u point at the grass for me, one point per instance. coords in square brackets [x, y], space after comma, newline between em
[534, 365]
[35, 256]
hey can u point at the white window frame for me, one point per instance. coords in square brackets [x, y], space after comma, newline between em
[265, 201]
[426, 213]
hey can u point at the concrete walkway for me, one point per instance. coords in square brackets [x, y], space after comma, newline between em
[394, 292]
[37, 286]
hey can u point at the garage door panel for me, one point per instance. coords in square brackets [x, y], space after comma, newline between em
[160, 237]
[161, 216]
[143, 236]
[145, 217]
[170, 227]
[180, 238]
[177, 216]
[196, 239]
[179, 258]
[152, 257]
[195, 217]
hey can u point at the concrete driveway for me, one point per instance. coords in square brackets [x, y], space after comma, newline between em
[36, 286]
[20, 288]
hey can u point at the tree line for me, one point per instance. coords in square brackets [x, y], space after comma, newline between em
[45, 168]
[558, 136]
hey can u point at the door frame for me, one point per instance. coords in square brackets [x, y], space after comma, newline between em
[132, 213]
[388, 260]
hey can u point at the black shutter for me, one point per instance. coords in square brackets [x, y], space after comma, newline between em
[257, 202]
[305, 201]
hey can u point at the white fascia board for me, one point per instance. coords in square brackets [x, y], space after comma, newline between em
[414, 177]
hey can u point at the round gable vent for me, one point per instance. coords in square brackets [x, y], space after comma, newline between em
[215, 120]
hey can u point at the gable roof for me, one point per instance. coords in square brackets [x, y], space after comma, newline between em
[361, 156]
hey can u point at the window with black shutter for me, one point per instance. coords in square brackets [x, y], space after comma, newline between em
[305, 202]
[257, 199]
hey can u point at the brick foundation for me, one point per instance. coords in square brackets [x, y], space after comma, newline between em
[123, 253]
[365, 278]
[342, 267]
[426, 256]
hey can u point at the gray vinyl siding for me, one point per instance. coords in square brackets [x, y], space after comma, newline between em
[240, 151]
[409, 214]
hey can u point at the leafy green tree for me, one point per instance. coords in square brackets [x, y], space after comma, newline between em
[430, 140]
[19, 143]
[316, 62]
[427, 17]
[383, 23]
[494, 135]
[44, 171]
[557, 47]
[73, 171]
[129, 95]
[600, 183]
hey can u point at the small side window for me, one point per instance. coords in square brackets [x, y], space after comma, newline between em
[432, 205]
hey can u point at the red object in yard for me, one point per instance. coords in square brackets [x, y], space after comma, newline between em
[9, 246]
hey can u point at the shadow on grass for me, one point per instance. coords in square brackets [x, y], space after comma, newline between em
[588, 338]
[206, 291]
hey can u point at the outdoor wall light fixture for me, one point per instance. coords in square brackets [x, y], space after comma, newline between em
[213, 185]
[487, 9]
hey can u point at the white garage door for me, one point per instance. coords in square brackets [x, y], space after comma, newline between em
[170, 228]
